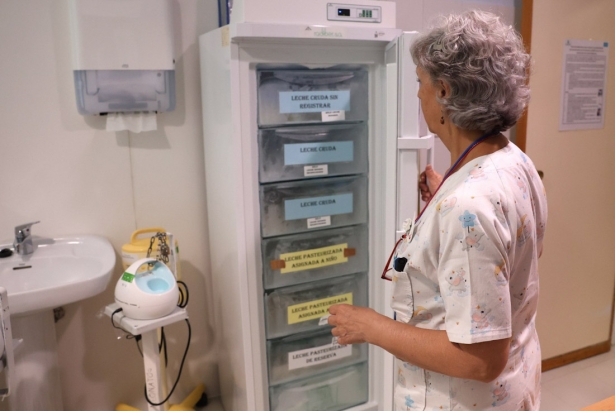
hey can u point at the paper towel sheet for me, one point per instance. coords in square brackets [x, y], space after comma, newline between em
[135, 122]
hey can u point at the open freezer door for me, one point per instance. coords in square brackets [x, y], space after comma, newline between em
[409, 142]
[403, 149]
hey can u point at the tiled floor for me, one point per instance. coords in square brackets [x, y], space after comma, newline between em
[567, 388]
[580, 384]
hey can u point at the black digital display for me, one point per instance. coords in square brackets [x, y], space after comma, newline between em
[343, 12]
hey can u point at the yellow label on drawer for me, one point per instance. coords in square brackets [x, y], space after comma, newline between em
[315, 309]
[315, 258]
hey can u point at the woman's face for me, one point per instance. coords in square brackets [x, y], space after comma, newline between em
[429, 105]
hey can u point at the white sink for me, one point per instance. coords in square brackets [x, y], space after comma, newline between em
[60, 271]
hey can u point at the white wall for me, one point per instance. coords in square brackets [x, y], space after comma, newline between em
[418, 14]
[65, 170]
[577, 272]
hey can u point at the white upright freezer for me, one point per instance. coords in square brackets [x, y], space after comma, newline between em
[307, 131]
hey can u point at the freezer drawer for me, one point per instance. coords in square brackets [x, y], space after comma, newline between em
[333, 391]
[295, 153]
[312, 96]
[300, 308]
[294, 207]
[303, 355]
[305, 257]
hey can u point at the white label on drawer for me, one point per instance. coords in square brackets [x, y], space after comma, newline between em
[314, 101]
[321, 170]
[314, 207]
[337, 115]
[317, 355]
[318, 152]
[318, 222]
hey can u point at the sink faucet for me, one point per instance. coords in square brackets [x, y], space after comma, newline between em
[23, 240]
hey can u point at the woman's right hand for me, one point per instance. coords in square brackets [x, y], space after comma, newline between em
[429, 181]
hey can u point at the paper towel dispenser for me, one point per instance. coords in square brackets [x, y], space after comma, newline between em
[123, 56]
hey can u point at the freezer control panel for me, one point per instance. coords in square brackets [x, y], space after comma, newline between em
[350, 12]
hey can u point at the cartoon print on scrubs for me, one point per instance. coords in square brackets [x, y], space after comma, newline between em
[457, 282]
[480, 320]
[471, 240]
[500, 276]
[524, 229]
[476, 174]
[467, 285]
[500, 393]
[421, 314]
[445, 206]
[409, 402]
[467, 220]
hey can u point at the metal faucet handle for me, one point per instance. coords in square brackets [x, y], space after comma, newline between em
[23, 230]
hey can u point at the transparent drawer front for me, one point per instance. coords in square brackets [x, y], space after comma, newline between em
[304, 355]
[301, 258]
[333, 391]
[312, 151]
[288, 208]
[312, 96]
[300, 308]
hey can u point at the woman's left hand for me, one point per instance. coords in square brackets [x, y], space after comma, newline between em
[352, 324]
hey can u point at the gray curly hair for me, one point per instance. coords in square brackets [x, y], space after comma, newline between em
[485, 64]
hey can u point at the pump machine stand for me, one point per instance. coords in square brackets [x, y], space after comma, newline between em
[148, 329]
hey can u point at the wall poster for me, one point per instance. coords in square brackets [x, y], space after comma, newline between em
[583, 93]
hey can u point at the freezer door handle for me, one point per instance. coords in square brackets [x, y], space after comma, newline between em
[408, 172]
[418, 143]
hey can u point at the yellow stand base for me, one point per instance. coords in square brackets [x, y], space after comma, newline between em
[186, 405]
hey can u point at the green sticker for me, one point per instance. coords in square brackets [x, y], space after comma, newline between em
[128, 277]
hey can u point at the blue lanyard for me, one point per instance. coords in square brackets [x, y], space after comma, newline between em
[467, 151]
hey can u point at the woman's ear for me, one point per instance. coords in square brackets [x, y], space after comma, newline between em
[444, 89]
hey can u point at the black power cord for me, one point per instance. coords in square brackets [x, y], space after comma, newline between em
[163, 345]
[113, 322]
[129, 336]
[181, 366]
[183, 299]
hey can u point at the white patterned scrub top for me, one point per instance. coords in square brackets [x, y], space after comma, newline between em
[472, 270]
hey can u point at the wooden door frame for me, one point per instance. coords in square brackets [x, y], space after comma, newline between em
[527, 7]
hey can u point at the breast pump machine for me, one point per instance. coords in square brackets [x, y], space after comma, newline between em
[147, 298]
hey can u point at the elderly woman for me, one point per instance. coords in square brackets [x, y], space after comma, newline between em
[465, 274]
